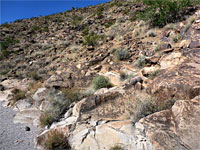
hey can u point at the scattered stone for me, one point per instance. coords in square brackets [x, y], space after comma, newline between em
[195, 44]
[27, 128]
[2, 87]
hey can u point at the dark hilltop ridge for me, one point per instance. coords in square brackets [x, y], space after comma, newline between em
[123, 75]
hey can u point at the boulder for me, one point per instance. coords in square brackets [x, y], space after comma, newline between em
[177, 129]
[179, 81]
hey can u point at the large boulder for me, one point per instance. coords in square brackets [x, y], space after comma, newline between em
[181, 81]
[177, 129]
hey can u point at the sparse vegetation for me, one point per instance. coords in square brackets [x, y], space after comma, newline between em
[76, 20]
[46, 119]
[59, 101]
[99, 11]
[154, 74]
[56, 140]
[123, 76]
[158, 47]
[17, 95]
[151, 33]
[144, 105]
[92, 39]
[7, 42]
[6, 24]
[141, 61]
[116, 147]
[101, 82]
[122, 54]
[110, 23]
[162, 12]
[34, 75]
[176, 37]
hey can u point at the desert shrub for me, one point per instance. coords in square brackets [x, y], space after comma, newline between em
[162, 12]
[35, 29]
[176, 37]
[154, 74]
[123, 76]
[92, 39]
[116, 147]
[109, 23]
[17, 95]
[76, 20]
[85, 31]
[34, 86]
[101, 82]
[72, 94]
[56, 140]
[116, 3]
[122, 54]
[34, 75]
[4, 72]
[158, 46]
[151, 33]
[8, 42]
[143, 105]
[60, 100]
[46, 119]
[171, 26]
[140, 62]
[99, 11]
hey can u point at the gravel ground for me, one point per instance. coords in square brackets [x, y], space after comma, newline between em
[14, 136]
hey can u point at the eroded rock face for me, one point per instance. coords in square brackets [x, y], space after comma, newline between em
[177, 129]
[181, 81]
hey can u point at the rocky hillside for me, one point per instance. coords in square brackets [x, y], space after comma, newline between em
[102, 79]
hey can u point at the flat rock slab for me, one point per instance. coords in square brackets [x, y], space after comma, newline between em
[14, 136]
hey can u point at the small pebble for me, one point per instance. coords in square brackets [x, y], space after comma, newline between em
[27, 128]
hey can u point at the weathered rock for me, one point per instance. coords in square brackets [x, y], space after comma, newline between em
[22, 105]
[171, 60]
[195, 44]
[181, 81]
[176, 129]
[165, 130]
[40, 95]
[2, 87]
[29, 116]
[134, 80]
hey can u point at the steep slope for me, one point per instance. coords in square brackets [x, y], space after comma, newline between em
[49, 67]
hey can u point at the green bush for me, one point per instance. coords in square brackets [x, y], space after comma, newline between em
[92, 39]
[122, 54]
[101, 82]
[76, 20]
[34, 75]
[162, 12]
[99, 11]
[56, 140]
[46, 119]
[140, 62]
[145, 105]
[154, 74]
[4, 53]
[110, 23]
[8, 42]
